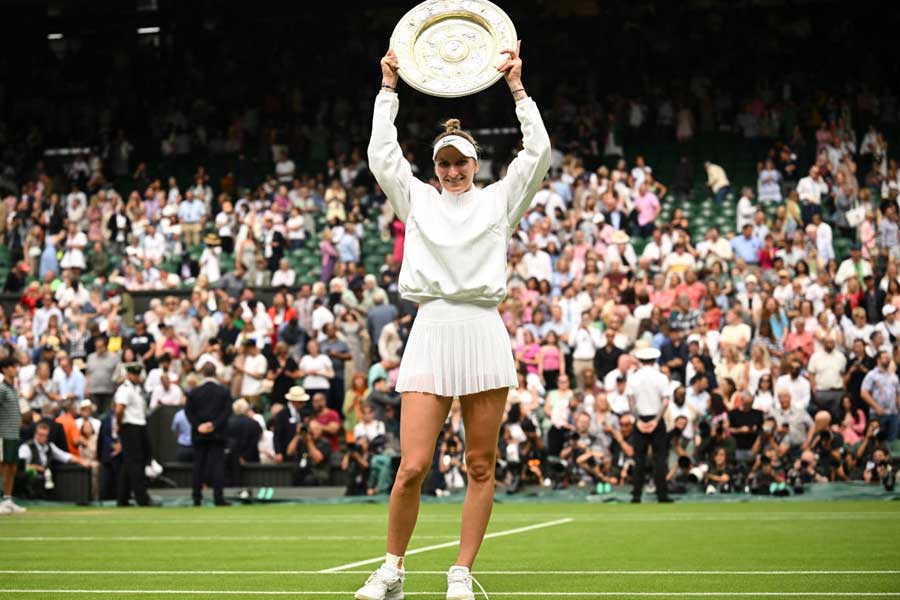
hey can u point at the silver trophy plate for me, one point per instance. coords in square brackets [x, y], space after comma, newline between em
[451, 48]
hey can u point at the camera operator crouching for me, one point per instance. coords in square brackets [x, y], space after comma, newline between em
[587, 458]
[369, 461]
[314, 440]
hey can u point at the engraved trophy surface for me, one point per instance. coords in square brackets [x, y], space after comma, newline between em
[451, 48]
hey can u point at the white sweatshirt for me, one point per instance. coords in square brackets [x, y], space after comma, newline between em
[455, 247]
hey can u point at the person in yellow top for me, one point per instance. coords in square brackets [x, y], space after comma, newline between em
[717, 181]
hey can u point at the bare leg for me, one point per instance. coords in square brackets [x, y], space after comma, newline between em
[482, 416]
[422, 418]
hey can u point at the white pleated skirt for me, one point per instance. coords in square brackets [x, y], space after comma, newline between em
[456, 349]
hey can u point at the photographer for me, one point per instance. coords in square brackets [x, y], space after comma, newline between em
[766, 476]
[370, 436]
[451, 463]
[622, 449]
[719, 478]
[356, 463]
[794, 423]
[769, 439]
[880, 470]
[828, 447]
[310, 449]
[37, 456]
[585, 454]
[680, 476]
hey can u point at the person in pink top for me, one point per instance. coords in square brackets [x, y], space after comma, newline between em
[550, 361]
[647, 206]
[527, 355]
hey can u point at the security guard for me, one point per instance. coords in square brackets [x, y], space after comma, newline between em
[132, 420]
[649, 395]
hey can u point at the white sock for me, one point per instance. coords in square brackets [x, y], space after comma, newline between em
[466, 569]
[394, 561]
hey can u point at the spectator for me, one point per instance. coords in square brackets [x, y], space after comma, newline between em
[717, 181]
[881, 391]
[99, 383]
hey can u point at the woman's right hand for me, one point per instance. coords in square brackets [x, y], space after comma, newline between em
[389, 68]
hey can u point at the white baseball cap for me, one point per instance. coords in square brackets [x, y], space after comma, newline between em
[465, 147]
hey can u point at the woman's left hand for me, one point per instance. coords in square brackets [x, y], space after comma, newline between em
[512, 67]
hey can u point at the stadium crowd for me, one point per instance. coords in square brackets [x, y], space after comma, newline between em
[774, 305]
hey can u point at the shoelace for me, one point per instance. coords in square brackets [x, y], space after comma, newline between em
[460, 577]
[484, 593]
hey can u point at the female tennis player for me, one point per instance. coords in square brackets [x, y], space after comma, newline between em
[454, 266]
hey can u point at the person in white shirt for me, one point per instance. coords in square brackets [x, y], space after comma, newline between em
[537, 263]
[285, 275]
[853, 266]
[714, 248]
[454, 266]
[253, 368]
[795, 383]
[584, 341]
[209, 259]
[153, 245]
[317, 370]
[824, 237]
[890, 326]
[810, 190]
[132, 419]
[745, 209]
[827, 368]
[649, 393]
[167, 393]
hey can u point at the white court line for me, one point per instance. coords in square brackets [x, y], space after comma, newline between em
[348, 594]
[110, 518]
[452, 544]
[208, 538]
[408, 573]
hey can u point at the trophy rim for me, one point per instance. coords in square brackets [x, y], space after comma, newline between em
[405, 50]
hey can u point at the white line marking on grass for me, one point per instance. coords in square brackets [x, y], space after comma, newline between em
[408, 573]
[208, 538]
[453, 543]
[348, 594]
[615, 516]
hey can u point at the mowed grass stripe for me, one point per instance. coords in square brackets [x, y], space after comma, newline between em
[349, 593]
[536, 573]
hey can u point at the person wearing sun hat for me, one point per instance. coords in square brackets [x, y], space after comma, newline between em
[209, 258]
[649, 393]
[287, 420]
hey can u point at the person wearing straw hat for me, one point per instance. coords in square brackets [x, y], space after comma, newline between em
[454, 266]
[209, 259]
[287, 420]
[648, 392]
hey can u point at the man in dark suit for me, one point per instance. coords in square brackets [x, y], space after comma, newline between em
[207, 410]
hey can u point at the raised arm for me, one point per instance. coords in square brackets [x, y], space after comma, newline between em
[525, 173]
[386, 160]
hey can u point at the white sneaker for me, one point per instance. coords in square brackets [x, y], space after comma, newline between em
[459, 584]
[384, 584]
[8, 507]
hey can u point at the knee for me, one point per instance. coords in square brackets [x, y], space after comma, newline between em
[480, 467]
[412, 473]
